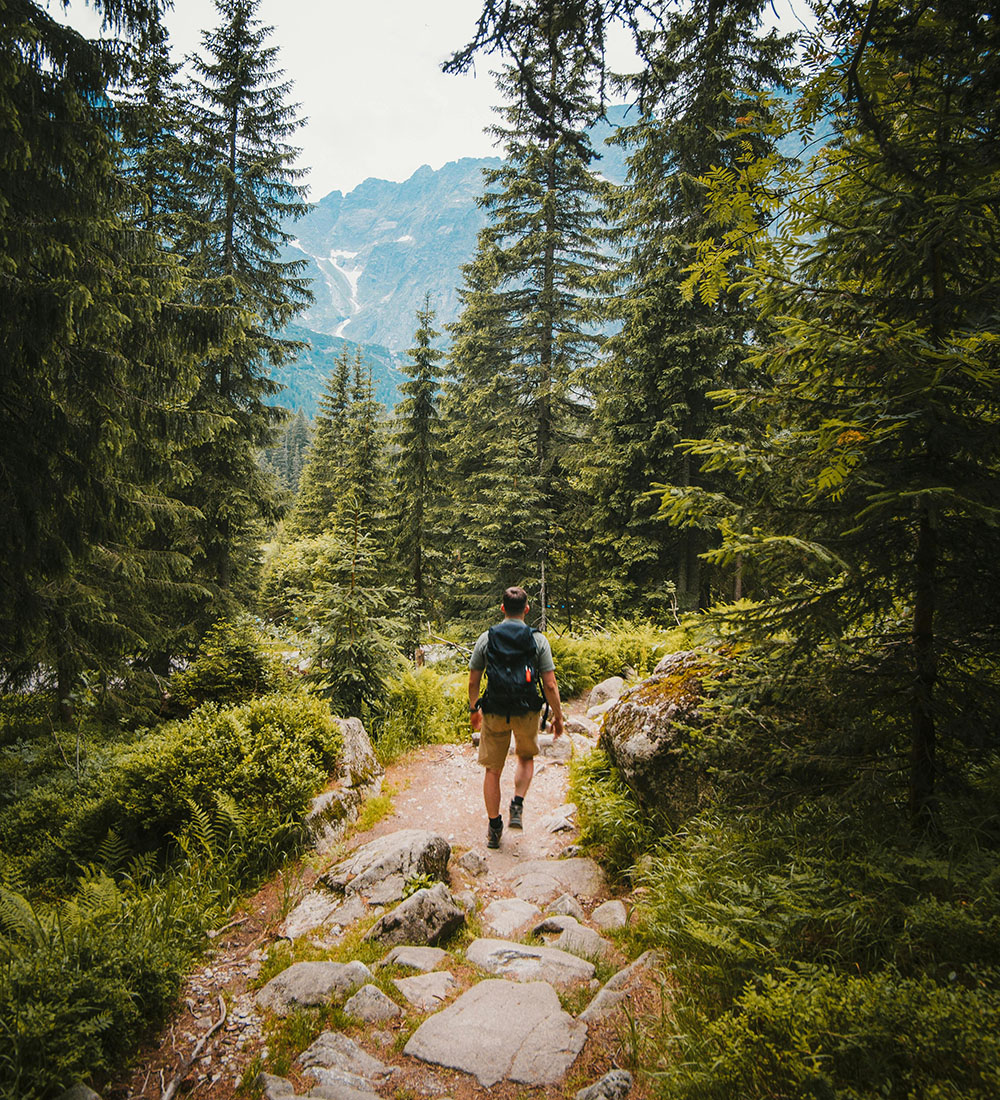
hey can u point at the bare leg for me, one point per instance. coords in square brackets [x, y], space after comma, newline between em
[491, 792]
[522, 777]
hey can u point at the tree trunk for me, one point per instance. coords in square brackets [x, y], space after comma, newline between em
[923, 732]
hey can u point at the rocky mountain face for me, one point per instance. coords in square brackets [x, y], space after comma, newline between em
[375, 252]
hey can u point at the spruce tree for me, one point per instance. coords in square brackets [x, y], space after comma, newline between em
[873, 496]
[242, 177]
[417, 461]
[91, 386]
[539, 252]
[669, 351]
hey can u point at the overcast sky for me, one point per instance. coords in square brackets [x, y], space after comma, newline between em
[367, 74]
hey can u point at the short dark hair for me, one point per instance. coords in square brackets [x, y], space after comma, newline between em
[515, 600]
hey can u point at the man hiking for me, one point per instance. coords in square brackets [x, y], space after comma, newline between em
[518, 662]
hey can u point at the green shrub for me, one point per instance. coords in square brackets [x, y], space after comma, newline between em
[611, 823]
[81, 983]
[826, 1035]
[253, 768]
[233, 664]
[422, 707]
[584, 661]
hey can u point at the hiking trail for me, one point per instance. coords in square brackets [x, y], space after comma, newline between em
[533, 1000]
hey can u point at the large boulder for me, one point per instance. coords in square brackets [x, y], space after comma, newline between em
[606, 690]
[358, 776]
[379, 870]
[645, 736]
[424, 918]
[310, 984]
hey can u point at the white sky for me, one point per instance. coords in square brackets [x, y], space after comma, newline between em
[367, 74]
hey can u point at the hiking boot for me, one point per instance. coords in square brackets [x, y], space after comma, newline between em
[493, 834]
[514, 818]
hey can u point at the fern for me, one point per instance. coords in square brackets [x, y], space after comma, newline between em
[112, 852]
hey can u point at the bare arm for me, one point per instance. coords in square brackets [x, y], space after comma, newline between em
[475, 679]
[551, 689]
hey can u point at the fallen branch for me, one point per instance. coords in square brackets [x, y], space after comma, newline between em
[171, 1089]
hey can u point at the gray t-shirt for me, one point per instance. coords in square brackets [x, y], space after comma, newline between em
[545, 663]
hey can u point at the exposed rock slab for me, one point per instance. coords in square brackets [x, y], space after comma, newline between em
[555, 748]
[535, 1046]
[523, 963]
[543, 880]
[505, 916]
[575, 937]
[383, 865]
[426, 991]
[568, 905]
[615, 1085]
[372, 1005]
[322, 909]
[415, 958]
[581, 726]
[610, 915]
[609, 689]
[360, 774]
[335, 1060]
[616, 988]
[425, 917]
[307, 984]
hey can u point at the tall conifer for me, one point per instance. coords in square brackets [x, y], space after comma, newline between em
[242, 177]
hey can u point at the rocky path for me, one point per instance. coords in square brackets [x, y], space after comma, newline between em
[428, 965]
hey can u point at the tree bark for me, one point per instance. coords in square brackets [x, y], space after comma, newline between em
[923, 731]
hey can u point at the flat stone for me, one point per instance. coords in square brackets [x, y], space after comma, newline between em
[555, 748]
[610, 915]
[334, 1059]
[372, 1005]
[524, 963]
[561, 819]
[578, 939]
[319, 909]
[505, 916]
[415, 958]
[616, 988]
[542, 880]
[80, 1092]
[615, 1085]
[500, 1030]
[568, 905]
[608, 690]
[336, 1089]
[396, 857]
[582, 727]
[308, 984]
[426, 991]
[473, 861]
[273, 1088]
[425, 917]
[600, 711]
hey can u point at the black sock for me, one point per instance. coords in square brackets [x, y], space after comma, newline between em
[518, 800]
[495, 821]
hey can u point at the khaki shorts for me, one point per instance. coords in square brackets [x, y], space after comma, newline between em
[494, 740]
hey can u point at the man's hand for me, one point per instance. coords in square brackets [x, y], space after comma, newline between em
[476, 719]
[556, 724]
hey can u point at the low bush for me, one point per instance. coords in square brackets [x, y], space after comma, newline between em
[255, 766]
[234, 663]
[621, 650]
[612, 825]
[422, 707]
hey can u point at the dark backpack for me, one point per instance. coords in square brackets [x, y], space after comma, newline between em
[513, 680]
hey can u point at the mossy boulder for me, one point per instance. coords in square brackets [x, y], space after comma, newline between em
[647, 737]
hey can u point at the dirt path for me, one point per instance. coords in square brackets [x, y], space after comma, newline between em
[438, 788]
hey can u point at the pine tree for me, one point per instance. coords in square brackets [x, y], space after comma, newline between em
[323, 482]
[417, 461]
[90, 386]
[670, 351]
[242, 176]
[874, 492]
[531, 278]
